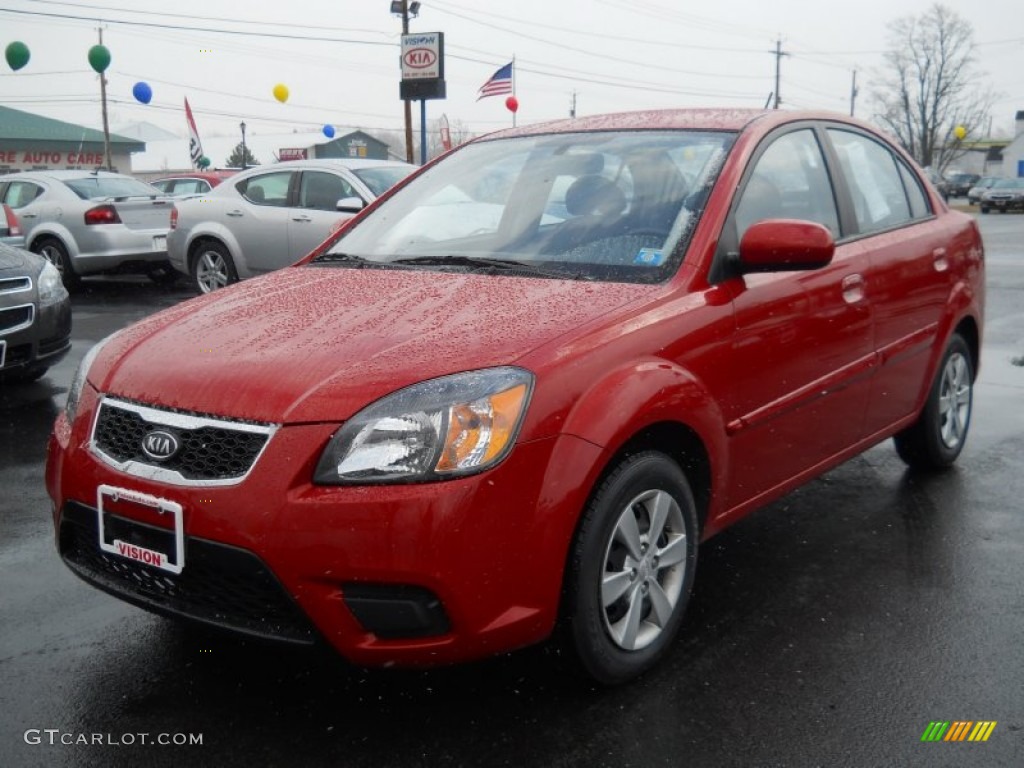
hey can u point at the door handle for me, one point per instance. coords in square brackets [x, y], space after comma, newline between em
[27, 215]
[302, 217]
[235, 213]
[853, 289]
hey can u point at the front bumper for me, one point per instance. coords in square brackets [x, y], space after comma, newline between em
[404, 574]
[43, 343]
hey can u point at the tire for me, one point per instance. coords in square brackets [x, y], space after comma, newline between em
[162, 274]
[935, 440]
[212, 267]
[626, 590]
[984, 209]
[55, 252]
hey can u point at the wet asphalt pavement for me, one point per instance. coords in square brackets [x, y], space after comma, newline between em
[828, 629]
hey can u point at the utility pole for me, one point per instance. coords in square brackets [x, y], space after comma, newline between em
[106, 125]
[408, 104]
[779, 53]
[853, 92]
[572, 108]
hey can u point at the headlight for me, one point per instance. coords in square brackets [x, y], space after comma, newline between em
[75, 390]
[51, 288]
[447, 427]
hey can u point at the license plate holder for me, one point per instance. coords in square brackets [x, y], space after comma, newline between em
[172, 561]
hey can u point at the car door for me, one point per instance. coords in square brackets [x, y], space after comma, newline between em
[316, 213]
[258, 218]
[802, 349]
[908, 279]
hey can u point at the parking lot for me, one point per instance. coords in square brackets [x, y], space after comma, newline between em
[828, 629]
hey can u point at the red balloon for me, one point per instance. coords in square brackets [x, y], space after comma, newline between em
[513, 104]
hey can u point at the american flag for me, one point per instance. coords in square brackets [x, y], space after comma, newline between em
[500, 82]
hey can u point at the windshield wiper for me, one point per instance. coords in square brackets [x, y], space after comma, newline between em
[342, 258]
[468, 261]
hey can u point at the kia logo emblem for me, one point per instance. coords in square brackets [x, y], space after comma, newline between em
[160, 445]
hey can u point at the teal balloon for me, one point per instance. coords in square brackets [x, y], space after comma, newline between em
[142, 92]
[204, 162]
[329, 131]
[99, 58]
[17, 54]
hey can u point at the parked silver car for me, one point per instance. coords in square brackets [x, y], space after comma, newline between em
[981, 186]
[35, 316]
[87, 222]
[270, 216]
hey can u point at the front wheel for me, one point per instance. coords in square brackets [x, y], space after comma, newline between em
[631, 570]
[213, 267]
[935, 440]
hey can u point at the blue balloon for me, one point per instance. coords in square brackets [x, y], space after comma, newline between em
[142, 92]
[329, 131]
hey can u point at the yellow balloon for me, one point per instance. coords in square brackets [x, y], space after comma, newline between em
[281, 92]
[960, 132]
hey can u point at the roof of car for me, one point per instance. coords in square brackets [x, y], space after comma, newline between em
[675, 119]
[61, 174]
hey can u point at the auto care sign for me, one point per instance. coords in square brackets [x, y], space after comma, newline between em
[423, 66]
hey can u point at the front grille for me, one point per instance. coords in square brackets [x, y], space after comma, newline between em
[15, 318]
[220, 585]
[210, 450]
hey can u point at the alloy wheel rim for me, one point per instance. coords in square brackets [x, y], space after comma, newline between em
[954, 401]
[643, 570]
[53, 255]
[211, 272]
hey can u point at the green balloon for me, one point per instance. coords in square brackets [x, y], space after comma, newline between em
[17, 55]
[204, 162]
[99, 58]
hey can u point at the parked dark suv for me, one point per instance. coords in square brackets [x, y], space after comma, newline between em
[960, 183]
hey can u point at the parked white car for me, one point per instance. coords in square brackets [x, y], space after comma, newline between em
[270, 216]
[87, 222]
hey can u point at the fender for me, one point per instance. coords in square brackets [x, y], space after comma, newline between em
[643, 393]
[52, 229]
[212, 230]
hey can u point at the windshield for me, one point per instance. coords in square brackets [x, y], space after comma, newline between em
[381, 179]
[598, 206]
[1009, 184]
[94, 187]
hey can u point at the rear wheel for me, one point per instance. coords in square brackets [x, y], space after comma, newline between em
[984, 209]
[55, 252]
[935, 440]
[631, 570]
[212, 267]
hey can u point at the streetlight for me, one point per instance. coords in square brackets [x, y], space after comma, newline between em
[405, 9]
[242, 126]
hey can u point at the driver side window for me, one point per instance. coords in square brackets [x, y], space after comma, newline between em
[789, 181]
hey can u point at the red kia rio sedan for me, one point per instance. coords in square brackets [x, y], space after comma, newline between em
[506, 403]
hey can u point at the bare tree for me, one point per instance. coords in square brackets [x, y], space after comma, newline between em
[931, 86]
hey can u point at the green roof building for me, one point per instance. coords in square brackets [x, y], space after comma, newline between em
[31, 142]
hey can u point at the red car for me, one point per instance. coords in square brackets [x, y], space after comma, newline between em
[195, 183]
[505, 404]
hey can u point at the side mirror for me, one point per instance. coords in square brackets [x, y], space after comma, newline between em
[782, 245]
[350, 205]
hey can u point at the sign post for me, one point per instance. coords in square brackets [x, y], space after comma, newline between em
[423, 75]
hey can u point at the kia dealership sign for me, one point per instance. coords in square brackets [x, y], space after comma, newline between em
[423, 56]
[423, 66]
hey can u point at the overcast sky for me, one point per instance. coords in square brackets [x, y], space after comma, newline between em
[340, 59]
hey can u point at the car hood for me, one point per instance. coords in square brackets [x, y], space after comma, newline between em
[18, 260]
[312, 344]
